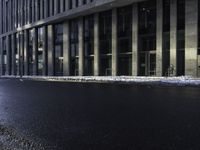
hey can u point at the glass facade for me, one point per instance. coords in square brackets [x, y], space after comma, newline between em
[89, 45]
[166, 36]
[147, 38]
[58, 50]
[40, 38]
[180, 37]
[30, 52]
[4, 61]
[105, 43]
[74, 51]
[40, 52]
[124, 40]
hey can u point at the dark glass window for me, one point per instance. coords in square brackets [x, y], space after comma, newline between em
[180, 37]
[147, 26]
[74, 54]
[89, 44]
[40, 51]
[105, 42]
[30, 52]
[58, 50]
[124, 29]
[166, 36]
[124, 36]
[147, 38]
[105, 32]
[4, 56]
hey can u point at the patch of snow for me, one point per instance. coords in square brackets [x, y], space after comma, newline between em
[183, 80]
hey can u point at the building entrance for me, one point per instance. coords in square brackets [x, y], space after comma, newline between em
[147, 63]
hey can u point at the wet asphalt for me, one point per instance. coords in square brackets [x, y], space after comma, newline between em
[40, 115]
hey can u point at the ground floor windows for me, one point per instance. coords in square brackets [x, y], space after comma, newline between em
[74, 49]
[106, 65]
[4, 57]
[125, 65]
[40, 51]
[92, 38]
[147, 63]
[58, 50]
[30, 51]
[88, 31]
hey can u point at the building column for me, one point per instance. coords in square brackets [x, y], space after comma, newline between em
[8, 55]
[50, 50]
[191, 37]
[13, 39]
[173, 35]
[80, 2]
[66, 49]
[51, 10]
[135, 40]
[114, 42]
[96, 45]
[33, 11]
[45, 47]
[41, 9]
[55, 6]
[159, 39]
[26, 47]
[62, 6]
[66, 5]
[35, 48]
[73, 4]
[46, 3]
[80, 46]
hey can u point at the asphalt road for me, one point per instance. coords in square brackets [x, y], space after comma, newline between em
[37, 115]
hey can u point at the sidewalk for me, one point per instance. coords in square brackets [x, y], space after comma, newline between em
[179, 81]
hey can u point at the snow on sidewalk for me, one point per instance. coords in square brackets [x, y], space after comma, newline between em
[181, 81]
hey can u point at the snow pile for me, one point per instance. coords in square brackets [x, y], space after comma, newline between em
[184, 80]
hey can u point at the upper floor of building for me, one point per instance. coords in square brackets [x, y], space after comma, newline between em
[23, 14]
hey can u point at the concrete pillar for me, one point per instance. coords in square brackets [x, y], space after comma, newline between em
[80, 46]
[46, 3]
[51, 4]
[33, 11]
[28, 11]
[73, 4]
[135, 40]
[41, 9]
[13, 39]
[50, 50]
[173, 34]
[26, 47]
[55, 6]
[66, 49]
[66, 5]
[36, 10]
[191, 37]
[159, 39]
[114, 42]
[45, 48]
[35, 48]
[80, 2]
[96, 46]
[61, 6]
[8, 55]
